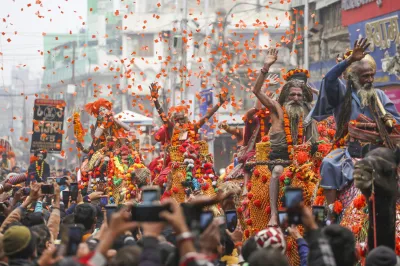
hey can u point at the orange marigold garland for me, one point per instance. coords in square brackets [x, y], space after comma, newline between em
[337, 207]
[360, 202]
[78, 129]
[288, 133]
[189, 127]
[319, 200]
[262, 114]
[39, 169]
[295, 71]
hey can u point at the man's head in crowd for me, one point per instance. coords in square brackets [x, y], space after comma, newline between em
[43, 237]
[381, 256]
[16, 169]
[19, 243]
[267, 257]
[342, 243]
[85, 214]
[127, 256]
[59, 173]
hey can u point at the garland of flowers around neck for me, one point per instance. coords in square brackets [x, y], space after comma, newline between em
[288, 133]
[39, 169]
[176, 132]
[262, 114]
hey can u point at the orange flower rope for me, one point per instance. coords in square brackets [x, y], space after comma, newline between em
[288, 133]
[39, 169]
[78, 129]
[262, 114]
[191, 134]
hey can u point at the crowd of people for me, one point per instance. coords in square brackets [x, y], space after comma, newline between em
[178, 211]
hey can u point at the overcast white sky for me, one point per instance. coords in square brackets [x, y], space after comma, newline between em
[24, 46]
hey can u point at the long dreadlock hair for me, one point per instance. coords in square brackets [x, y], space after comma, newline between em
[345, 113]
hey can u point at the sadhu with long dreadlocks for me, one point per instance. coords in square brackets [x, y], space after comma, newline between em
[361, 112]
[188, 167]
[294, 104]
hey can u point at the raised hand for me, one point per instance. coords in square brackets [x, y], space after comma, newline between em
[223, 97]
[360, 46]
[273, 79]
[153, 90]
[270, 58]
[223, 125]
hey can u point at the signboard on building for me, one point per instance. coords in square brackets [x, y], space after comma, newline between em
[394, 96]
[48, 121]
[206, 101]
[355, 11]
[384, 34]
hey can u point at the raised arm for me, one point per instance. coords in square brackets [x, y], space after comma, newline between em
[235, 131]
[272, 79]
[154, 96]
[222, 98]
[332, 90]
[270, 59]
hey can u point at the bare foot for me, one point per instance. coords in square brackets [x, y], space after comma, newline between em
[273, 222]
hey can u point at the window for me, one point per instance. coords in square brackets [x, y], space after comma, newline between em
[142, 44]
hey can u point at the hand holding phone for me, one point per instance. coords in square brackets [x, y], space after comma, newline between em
[149, 213]
[206, 219]
[47, 189]
[150, 194]
[293, 198]
[103, 201]
[231, 220]
[110, 209]
[74, 191]
[319, 214]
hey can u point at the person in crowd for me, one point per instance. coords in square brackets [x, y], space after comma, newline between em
[19, 245]
[381, 256]
[86, 215]
[39, 170]
[16, 169]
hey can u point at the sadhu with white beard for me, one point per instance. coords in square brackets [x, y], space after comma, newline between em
[357, 100]
[294, 102]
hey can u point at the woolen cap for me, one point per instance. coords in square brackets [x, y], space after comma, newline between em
[16, 239]
[381, 256]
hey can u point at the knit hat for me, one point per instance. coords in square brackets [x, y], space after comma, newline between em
[271, 237]
[16, 239]
[381, 256]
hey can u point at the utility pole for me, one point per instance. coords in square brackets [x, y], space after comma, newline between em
[184, 48]
[306, 16]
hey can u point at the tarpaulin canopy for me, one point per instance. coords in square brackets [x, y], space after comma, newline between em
[128, 117]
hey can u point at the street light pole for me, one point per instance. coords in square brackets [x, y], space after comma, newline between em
[306, 16]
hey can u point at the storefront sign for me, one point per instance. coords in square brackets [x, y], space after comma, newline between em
[48, 121]
[394, 96]
[355, 11]
[383, 33]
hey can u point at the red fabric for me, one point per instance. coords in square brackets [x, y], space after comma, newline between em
[162, 135]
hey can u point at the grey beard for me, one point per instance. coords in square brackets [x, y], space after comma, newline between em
[366, 96]
[294, 111]
[365, 92]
